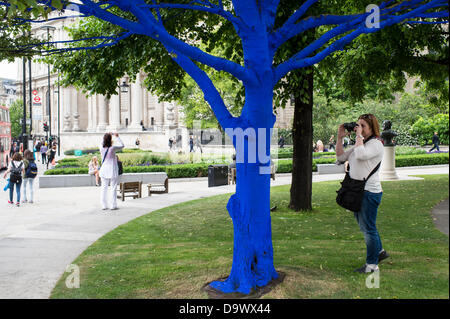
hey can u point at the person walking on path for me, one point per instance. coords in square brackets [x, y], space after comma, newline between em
[332, 144]
[51, 156]
[109, 170]
[435, 141]
[364, 157]
[30, 173]
[44, 153]
[191, 144]
[16, 171]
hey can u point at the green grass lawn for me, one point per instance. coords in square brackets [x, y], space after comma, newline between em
[173, 252]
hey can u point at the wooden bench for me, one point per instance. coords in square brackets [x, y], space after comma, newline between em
[156, 188]
[133, 188]
[232, 174]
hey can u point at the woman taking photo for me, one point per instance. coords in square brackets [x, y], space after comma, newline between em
[363, 157]
[109, 171]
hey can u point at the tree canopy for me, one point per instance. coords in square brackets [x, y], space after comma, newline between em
[262, 29]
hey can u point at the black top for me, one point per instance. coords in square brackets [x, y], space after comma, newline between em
[435, 139]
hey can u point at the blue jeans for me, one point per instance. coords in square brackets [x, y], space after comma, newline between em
[367, 218]
[11, 191]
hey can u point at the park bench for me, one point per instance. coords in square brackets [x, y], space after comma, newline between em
[232, 174]
[83, 180]
[158, 188]
[133, 188]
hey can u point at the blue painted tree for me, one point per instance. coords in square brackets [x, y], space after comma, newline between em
[253, 22]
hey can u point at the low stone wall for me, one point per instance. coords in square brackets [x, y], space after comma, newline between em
[83, 180]
[330, 169]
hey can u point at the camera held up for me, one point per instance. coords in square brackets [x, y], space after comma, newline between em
[350, 127]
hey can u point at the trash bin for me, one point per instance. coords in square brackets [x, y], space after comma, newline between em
[78, 152]
[217, 175]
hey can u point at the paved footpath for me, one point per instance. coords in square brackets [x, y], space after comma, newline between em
[38, 241]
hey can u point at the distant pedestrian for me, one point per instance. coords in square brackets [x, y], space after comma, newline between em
[14, 149]
[198, 145]
[109, 170]
[281, 142]
[16, 171]
[191, 145]
[37, 148]
[29, 176]
[435, 141]
[51, 156]
[94, 169]
[319, 146]
[332, 143]
[43, 151]
[170, 143]
[137, 142]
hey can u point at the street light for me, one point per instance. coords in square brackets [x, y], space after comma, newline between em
[124, 87]
[59, 128]
[48, 28]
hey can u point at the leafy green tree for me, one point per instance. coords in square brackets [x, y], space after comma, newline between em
[424, 128]
[16, 115]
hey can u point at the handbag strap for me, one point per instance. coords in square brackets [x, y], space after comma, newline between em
[103, 159]
[373, 171]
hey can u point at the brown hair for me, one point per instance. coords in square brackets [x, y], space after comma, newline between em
[17, 157]
[372, 122]
[28, 155]
[107, 140]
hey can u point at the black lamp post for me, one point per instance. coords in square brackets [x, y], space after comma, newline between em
[124, 87]
[59, 125]
[48, 28]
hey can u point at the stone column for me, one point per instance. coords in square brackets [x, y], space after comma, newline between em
[114, 113]
[67, 102]
[102, 105]
[136, 104]
[75, 114]
[90, 127]
[159, 115]
[145, 109]
[388, 164]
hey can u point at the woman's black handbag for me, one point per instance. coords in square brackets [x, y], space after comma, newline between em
[351, 193]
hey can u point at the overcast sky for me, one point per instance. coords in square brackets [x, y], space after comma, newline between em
[8, 70]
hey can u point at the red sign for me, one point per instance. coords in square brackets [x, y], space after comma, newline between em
[37, 99]
[34, 92]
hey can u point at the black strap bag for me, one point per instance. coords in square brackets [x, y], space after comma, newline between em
[351, 193]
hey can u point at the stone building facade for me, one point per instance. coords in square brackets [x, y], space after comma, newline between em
[81, 120]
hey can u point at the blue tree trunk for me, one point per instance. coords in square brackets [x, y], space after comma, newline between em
[249, 207]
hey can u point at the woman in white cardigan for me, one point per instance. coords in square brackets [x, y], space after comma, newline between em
[109, 171]
[363, 158]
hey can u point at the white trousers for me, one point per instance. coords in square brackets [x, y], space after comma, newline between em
[110, 202]
[27, 182]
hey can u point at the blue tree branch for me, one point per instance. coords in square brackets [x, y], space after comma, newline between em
[301, 59]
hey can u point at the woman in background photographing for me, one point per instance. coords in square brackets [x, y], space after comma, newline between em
[363, 157]
[109, 171]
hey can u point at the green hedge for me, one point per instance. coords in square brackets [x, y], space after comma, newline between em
[421, 159]
[284, 166]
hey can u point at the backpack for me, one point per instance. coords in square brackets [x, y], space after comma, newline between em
[32, 170]
[16, 174]
[120, 166]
